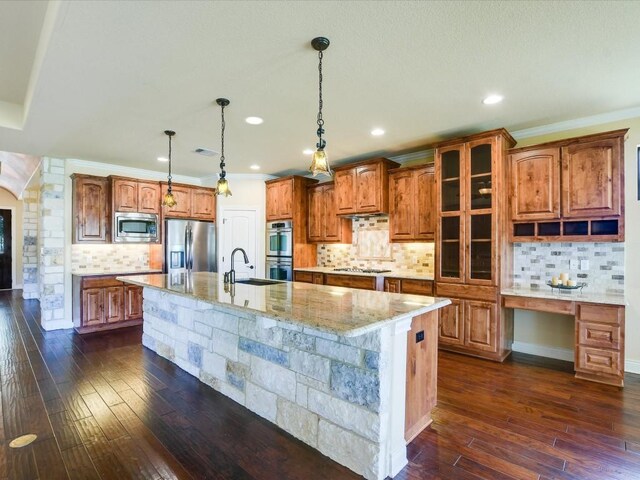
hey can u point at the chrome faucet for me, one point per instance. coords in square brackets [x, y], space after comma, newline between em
[230, 276]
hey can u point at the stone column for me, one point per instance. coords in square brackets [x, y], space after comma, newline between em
[51, 244]
[30, 208]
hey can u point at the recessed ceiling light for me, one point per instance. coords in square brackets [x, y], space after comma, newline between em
[308, 151]
[255, 167]
[492, 99]
[376, 132]
[253, 120]
[163, 159]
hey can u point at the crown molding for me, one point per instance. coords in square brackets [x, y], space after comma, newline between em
[238, 176]
[577, 123]
[112, 169]
[409, 157]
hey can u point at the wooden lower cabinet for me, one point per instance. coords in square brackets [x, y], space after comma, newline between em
[309, 277]
[475, 327]
[422, 368]
[102, 303]
[599, 354]
[353, 281]
[408, 285]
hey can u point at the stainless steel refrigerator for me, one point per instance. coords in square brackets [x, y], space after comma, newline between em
[189, 243]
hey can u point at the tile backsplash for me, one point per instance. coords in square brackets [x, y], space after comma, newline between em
[535, 263]
[370, 248]
[106, 258]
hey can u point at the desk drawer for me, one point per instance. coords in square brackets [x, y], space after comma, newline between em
[604, 335]
[596, 360]
[565, 307]
[592, 312]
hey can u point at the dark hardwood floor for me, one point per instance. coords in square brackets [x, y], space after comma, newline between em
[105, 407]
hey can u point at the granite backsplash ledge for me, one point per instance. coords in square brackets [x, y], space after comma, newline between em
[535, 263]
[370, 248]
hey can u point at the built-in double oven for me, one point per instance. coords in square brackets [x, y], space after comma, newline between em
[280, 250]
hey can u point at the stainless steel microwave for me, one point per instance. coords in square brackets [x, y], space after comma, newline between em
[135, 227]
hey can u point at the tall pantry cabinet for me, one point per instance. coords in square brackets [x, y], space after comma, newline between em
[471, 235]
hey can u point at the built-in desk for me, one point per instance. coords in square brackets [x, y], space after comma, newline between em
[599, 339]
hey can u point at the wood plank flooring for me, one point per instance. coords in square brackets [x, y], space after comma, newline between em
[104, 407]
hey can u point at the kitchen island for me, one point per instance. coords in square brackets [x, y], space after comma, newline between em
[333, 366]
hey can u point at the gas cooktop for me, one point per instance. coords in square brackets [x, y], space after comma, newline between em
[360, 270]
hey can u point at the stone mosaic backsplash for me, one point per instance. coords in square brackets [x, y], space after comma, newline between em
[370, 248]
[535, 263]
[109, 258]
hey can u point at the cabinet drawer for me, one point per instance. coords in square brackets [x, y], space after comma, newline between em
[351, 281]
[599, 335]
[303, 277]
[101, 282]
[597, 360]
[417, 287]
[565, 307]
[589, 312]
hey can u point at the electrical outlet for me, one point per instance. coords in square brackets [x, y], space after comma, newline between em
[573, 264]
[584, 264]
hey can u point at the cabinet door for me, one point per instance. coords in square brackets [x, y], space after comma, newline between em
[125, 195]
[481, 326]
[336, 229]
[345, 185]
[91, 209]
[113, 304]
[591, 178]
[203, 204]
[182, 208]
[149, 197]
[285, 199]
[316, 214]
[368, 186]
[425, 205]
[392, 285]
[92, 306]
[132, 302]
[535, 184]
[401, 208]
[598, 361]
[451, 323]
[272, 201]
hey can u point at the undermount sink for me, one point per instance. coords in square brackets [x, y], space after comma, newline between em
[258, 281]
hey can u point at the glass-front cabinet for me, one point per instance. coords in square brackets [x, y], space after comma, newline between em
[466, 204]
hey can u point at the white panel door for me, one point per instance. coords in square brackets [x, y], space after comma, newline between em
[238, 229]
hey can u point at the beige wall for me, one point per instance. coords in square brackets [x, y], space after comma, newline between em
[550, 330]
[8, 201]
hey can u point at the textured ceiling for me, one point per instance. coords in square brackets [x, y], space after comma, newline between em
[113, 75]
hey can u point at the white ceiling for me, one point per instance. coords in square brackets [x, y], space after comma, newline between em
[108, 77]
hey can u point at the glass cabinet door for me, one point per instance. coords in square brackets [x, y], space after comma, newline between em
[480, 247]
[480, 176]
[450, 168]
[450, 248]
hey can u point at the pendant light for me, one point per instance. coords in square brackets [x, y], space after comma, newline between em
[319, 162]
[169, 200]
[223, 185]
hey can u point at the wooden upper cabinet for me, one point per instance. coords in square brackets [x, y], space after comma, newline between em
[203, 203]
[324, 223]
[131, 195]
[592, 178]
[412, 204]
[182, 208]
[91, 213]
[363, 188]
[125, 195]
[345, 181]
[280, 199]
[535, 180]
[149, 197]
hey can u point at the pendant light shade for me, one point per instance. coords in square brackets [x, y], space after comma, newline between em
[320, 162]
[223, 185]
[168, 200]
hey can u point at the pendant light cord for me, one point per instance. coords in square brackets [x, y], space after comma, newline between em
[169, 176]
[222, 172]
[321, 142]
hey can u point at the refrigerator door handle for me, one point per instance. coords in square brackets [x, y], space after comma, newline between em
[188, 247]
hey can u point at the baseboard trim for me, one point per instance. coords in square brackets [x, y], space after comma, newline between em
[543, 351]
[632, 366]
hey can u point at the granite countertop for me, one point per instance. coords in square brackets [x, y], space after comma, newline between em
[568, 295]
[100, 274]
[338, 310]
[390, 274]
